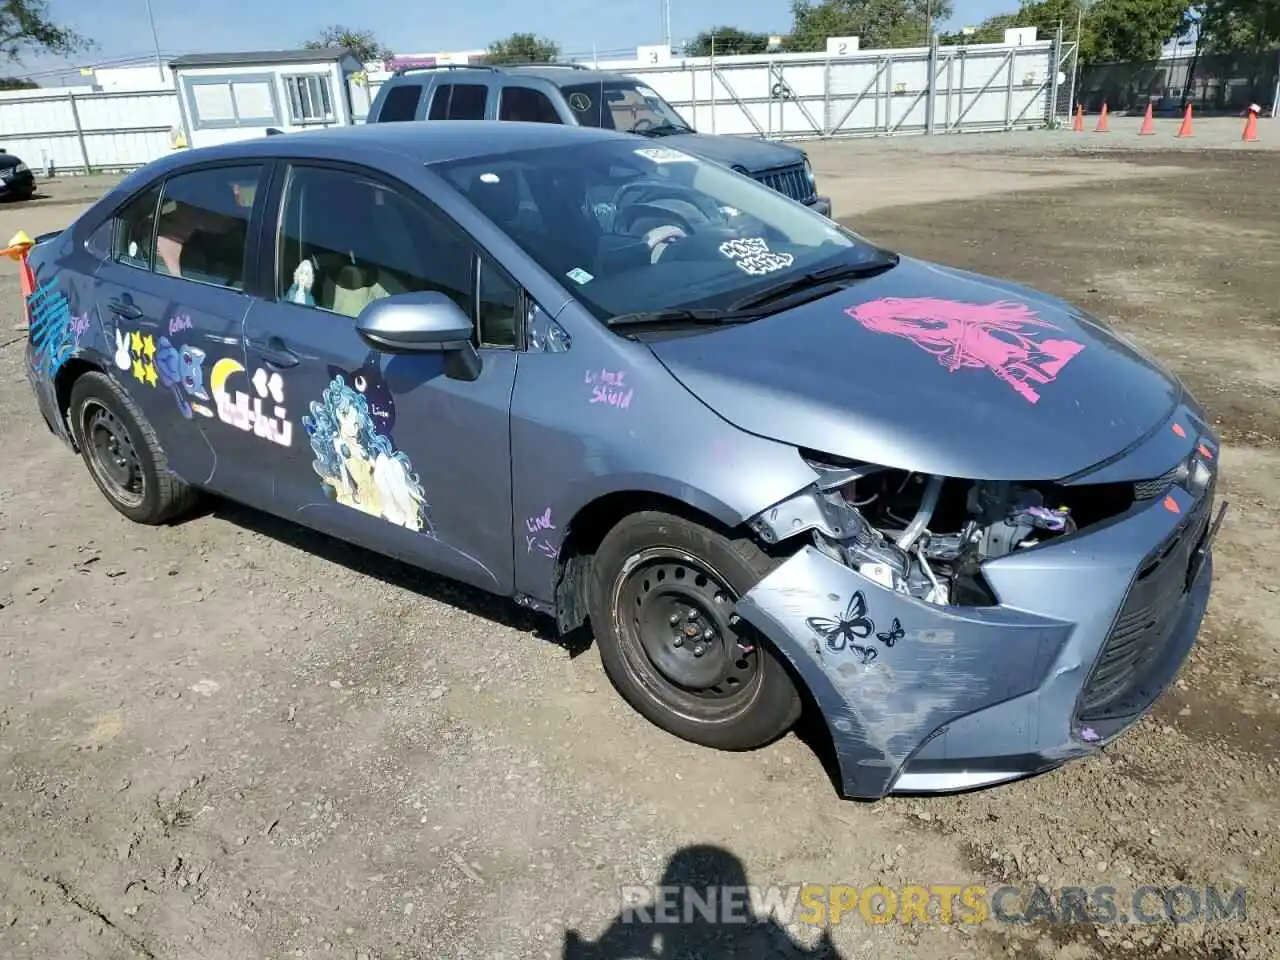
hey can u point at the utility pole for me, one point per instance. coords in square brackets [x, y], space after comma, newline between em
[666, 23]
[155, 39]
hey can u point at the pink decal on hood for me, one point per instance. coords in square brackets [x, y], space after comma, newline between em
[1003, 336]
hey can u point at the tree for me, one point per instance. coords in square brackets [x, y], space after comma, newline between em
[1239, 25]
[17, 83]
[362, 43]
[1110, 30]
[878, 23]
[25, 28]
[522, 48]
[725, 42]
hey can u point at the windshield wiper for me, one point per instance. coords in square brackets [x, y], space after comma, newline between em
[816, 279]
[662, 130]
[706, 317]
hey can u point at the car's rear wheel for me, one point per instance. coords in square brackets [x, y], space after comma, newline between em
[662, 611]
[123, 454]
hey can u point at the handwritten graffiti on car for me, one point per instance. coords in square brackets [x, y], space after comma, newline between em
[535, 539]
[608, 387]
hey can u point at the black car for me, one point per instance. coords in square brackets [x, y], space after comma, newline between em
[575, 95]
[17, 182]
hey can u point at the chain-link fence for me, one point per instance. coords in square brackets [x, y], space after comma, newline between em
[1211, 83]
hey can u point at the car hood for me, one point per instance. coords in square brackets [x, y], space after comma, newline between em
[754, 155]
[932, 369]
[8, 161]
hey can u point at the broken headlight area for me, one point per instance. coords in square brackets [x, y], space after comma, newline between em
[926, 535]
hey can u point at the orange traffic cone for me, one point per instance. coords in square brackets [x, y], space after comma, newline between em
[1251, 125]
[1148, 123]
[1102, 122]
[1185, 129]
[1078, 126]
[17, 250]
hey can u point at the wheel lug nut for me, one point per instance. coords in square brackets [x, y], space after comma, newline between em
[699, 650]
[675, 618]
[693, 615]
[708, 634]
[678, 641]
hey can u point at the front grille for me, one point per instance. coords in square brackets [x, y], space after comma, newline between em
[1146, 617]
[1150, 489]
[789, 181]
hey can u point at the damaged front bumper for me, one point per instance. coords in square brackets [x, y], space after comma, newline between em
[1088, 632]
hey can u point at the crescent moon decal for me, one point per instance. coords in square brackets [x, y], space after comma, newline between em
[221, 370]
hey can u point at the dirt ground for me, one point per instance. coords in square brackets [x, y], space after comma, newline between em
[236, 739]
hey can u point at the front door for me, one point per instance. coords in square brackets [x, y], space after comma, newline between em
[171, 300]
[385, 450]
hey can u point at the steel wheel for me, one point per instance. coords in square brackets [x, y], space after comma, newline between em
[678, 636]
[113, 455]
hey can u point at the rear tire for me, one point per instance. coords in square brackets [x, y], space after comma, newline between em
[123, 454]
[661, 599]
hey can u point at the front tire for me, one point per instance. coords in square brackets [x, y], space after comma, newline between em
[123, 453]
[662, 596]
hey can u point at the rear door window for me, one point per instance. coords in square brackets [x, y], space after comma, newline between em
[527, 105]
[459, 101]
[401, 103]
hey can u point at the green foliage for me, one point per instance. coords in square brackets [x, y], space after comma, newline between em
[362, 43]
[25, 28]
[522, 48]
[877, 23]
[1245, 26]
[17, 83]
[1110, 30]
[728, 41]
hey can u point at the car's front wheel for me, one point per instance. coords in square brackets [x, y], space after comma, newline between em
[123, 453]
[662, 603]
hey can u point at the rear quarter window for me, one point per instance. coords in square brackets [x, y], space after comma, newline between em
[401, 103]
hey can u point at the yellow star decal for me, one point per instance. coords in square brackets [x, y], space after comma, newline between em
[149, 347]
[151, 374]
[135, 342]
[139, 372]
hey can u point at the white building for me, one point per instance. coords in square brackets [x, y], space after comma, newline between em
[233, 96]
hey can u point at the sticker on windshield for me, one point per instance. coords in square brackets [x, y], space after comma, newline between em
[753, 256]
[646, 92]
[579, 102]
[579, 276]
[663, 155]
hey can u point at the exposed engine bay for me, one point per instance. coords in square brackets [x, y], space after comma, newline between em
[927, 536]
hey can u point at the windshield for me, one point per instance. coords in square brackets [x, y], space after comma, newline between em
[621, 105]
[630, 225]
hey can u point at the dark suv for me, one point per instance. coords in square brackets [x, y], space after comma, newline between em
[578, 96]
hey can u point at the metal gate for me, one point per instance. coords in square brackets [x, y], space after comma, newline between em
[936, 89]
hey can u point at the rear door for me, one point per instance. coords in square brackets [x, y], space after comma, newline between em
[390, 452]
[172, 300]
[521, 102]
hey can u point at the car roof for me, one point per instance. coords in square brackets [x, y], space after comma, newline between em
[428, 141]
[562, 74]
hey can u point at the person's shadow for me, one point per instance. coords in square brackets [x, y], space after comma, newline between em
[693, 925]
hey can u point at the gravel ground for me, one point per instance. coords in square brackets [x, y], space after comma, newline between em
[234, 738]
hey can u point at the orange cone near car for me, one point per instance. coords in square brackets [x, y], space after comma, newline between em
[17, 250]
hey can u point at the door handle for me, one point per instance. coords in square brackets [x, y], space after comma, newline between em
[124, 307]
[276, 354]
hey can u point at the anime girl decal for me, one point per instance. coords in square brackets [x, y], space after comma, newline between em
[358, 465]
[1006, 338]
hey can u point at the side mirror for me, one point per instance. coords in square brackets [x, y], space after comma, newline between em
[423, 322]
[415, 323]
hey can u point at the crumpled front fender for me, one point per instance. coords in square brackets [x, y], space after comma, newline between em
[888, 671]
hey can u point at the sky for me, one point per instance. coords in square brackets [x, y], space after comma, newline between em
[612, 25]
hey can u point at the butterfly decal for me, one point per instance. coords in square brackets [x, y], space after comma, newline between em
[842, 632]
[895, 634]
